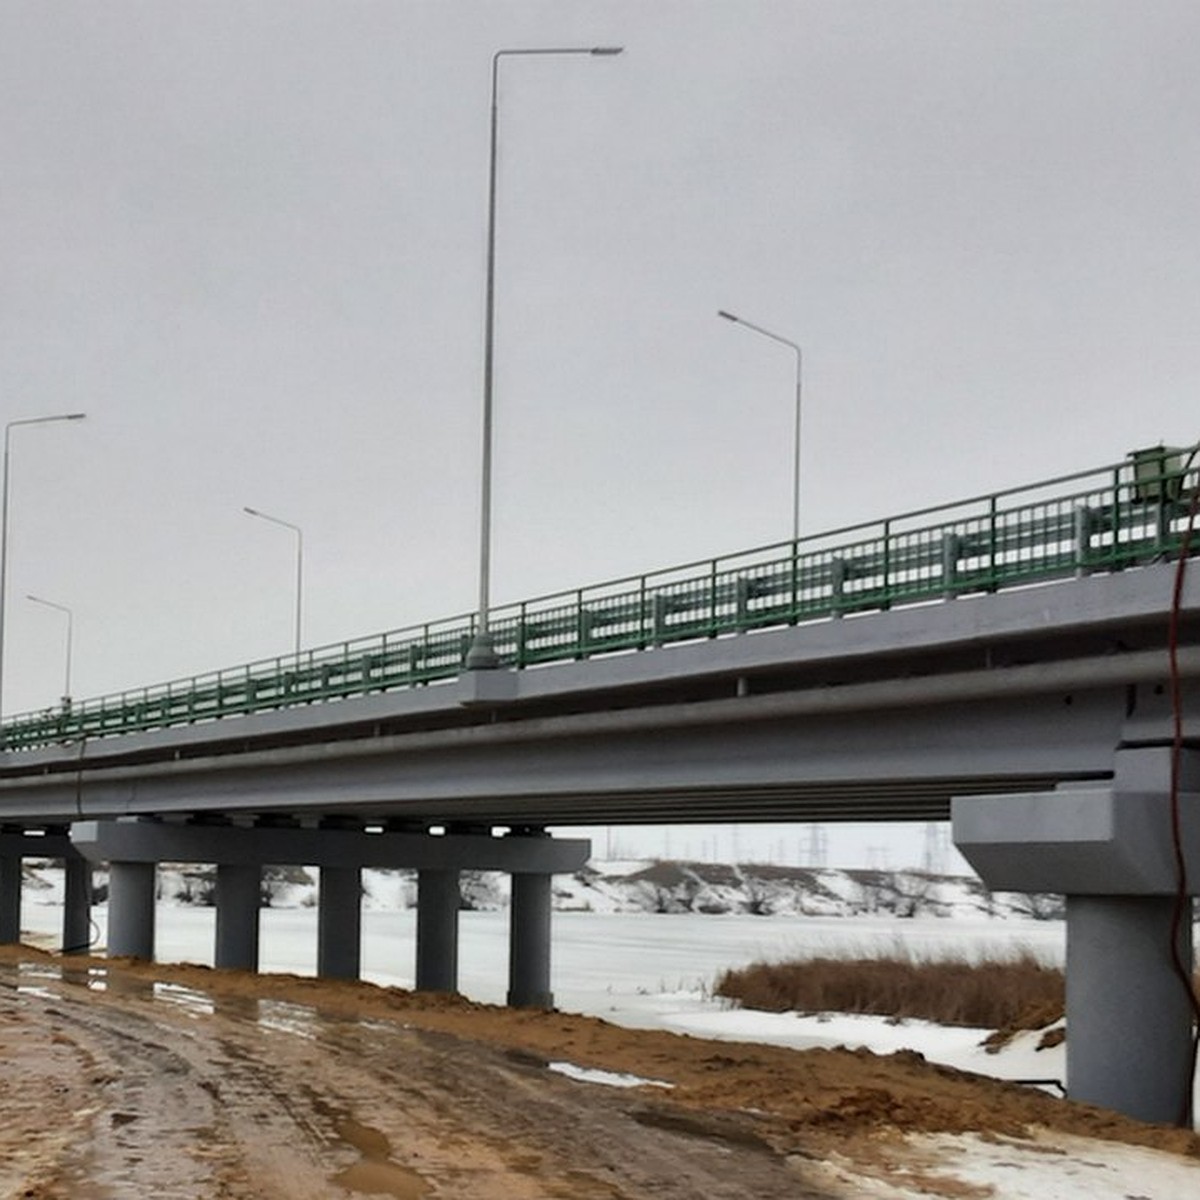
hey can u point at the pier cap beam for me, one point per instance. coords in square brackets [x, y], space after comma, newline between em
[228, 845]
[1079, 842]
[1112, 852]
[21, 844]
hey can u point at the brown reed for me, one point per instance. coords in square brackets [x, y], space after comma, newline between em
[1018, 992]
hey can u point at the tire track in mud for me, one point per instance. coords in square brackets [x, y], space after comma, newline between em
[470, 1117]
[205, 1096]
[123, 1072]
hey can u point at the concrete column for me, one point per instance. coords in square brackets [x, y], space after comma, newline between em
[529, 942]
[131, 909]
[1129, 1022]
[238, 898]
[340, 851]
[339, 923]
[77, 904]
[437, 930]
[10, 899]
[1112, 852]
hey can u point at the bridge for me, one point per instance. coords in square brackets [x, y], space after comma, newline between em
[989, 658]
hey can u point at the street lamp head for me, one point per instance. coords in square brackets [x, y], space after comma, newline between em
[252, 511]
[607, 50]
[727, 315]
[47, 603]
[76, 416]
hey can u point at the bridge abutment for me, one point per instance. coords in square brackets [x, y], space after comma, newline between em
[1113, 852]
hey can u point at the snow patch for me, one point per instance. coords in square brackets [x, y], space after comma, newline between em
[616, 1079]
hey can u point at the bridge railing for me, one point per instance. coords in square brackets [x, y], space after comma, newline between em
[1118, 516]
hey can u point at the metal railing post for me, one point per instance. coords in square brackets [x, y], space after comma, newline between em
[743, 604]
[885, 596]
[951, 549]
[993, 546]
[712, 600]
[837, 586]
[1083, 539]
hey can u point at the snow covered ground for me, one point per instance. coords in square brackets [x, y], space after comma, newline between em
[653, 970]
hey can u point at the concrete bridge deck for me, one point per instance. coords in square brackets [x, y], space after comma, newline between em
[880, 716]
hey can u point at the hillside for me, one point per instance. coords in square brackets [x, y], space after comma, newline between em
[655, 886]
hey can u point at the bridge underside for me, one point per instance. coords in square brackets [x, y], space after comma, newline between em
[742, 759]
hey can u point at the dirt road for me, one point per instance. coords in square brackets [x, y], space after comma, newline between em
[129, 1080]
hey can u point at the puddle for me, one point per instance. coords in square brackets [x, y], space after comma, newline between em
[38, 978]
[95, 979]
[30, 979]
[373, 1177]
[376, 1174]
[117, 983]
[285, 1017]
[191, 1000]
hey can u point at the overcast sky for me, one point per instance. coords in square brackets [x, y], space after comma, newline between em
[248, 239]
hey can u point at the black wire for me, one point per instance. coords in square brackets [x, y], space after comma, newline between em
[1182, 905]
[80, 948]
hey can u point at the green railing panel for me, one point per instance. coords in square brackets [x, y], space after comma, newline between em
[1115, 517]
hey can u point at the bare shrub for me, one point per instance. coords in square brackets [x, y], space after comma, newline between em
[276, 880]
[1018, 992]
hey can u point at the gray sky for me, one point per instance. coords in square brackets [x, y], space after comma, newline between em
[249, 240]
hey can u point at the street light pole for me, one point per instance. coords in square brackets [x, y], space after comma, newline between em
[799, 376]
[482, 653]
[4, 531]
[254, 512]
[62, 608]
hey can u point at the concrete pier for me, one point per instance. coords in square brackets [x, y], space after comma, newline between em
[340, 850]
[17, 844]
[77, 931]
[10, 898]
[438, 902]
[131, 909]
[529, 942]
[1111, 851]
[238, 903]
[1122, 998]
[339, 923]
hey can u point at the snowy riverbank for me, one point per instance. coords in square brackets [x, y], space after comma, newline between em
[654, 969]
[629, 886]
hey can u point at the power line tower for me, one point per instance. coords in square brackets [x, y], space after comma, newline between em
[818, 846]
[934, 860]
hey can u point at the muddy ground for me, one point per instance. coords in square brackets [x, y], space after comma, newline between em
[126, 1080]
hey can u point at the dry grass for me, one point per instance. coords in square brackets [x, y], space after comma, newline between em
[1019, 992]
